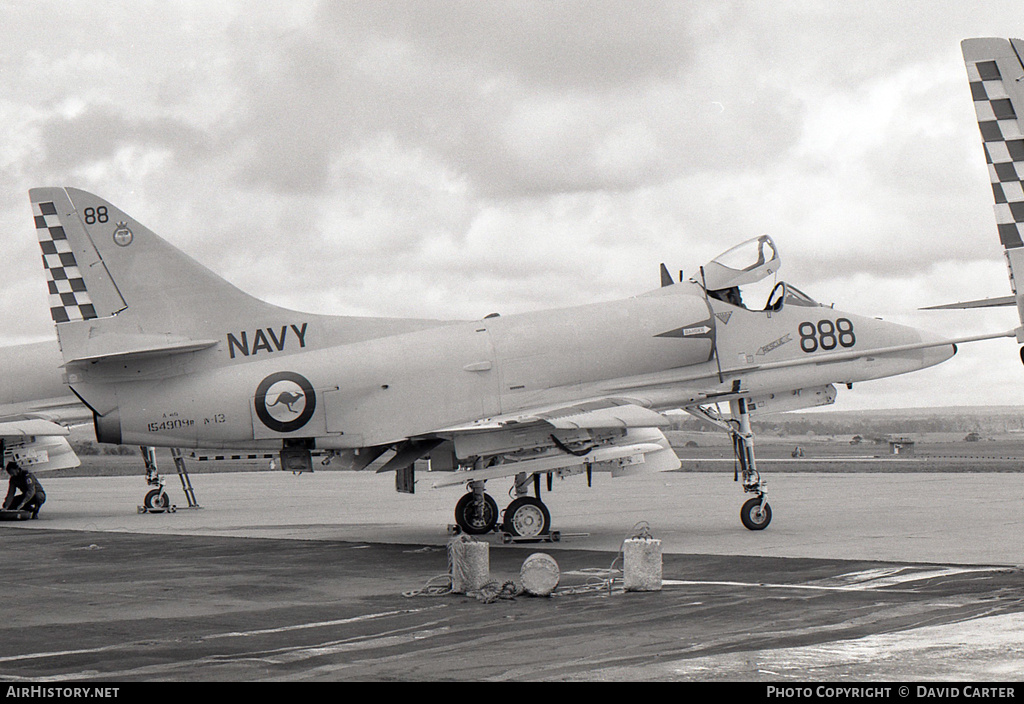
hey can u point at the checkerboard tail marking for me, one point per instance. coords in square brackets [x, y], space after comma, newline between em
[1001, 133]
[995, 71]
[69, 299]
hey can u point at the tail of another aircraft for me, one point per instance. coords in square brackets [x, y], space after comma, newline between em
[995, 69]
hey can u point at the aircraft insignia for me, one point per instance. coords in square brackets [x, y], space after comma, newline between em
[122, 235]
[724, 317]
[285, 401]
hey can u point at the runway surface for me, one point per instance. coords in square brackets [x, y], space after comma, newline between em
[281, 577]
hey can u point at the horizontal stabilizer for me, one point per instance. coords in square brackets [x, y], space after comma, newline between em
[981, 303]
[115, 347]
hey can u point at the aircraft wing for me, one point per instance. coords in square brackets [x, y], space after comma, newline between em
[642, 442]
[66, 411]
[15, 429]
[641, 446]
[37, 443]
[35, 434]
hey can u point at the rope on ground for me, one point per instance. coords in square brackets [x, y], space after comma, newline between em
[604, 580]
[432, 589]
[599, 579]
[492, 592]
[640, 530]
[461, 571]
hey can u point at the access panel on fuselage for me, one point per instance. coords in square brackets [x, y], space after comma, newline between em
[548, 357]
[411, 384]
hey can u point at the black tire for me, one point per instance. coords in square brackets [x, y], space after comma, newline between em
[753, 517]
[527, 517]
[156, 500]
[470, 521]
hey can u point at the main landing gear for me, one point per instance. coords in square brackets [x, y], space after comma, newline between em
[476, 513]
[756, 514]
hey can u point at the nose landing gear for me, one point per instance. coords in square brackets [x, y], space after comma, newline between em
[756, 514]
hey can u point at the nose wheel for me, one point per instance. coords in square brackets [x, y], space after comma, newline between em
[756, 514]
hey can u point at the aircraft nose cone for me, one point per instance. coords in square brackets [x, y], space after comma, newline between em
[931, 356]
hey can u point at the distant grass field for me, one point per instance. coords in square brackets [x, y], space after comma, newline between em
[938, 452]
[712, 453]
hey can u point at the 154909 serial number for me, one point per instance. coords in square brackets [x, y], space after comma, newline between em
[174, 424]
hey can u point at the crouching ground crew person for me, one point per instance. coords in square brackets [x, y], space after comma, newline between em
[32, 495]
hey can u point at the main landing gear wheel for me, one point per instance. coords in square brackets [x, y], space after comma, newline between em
[156, 500]
[527, 517]
[754, 516]
[473, 519]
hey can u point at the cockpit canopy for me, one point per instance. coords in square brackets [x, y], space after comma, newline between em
[746, 263]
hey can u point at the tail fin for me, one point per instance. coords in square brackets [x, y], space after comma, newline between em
[118, 291]
[995, 69]
[117, 288]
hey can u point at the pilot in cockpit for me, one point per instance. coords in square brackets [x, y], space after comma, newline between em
[729, 295]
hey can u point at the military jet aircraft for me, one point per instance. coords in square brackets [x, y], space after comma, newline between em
[165, 353]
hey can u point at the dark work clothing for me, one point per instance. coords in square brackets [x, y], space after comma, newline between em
[31, 495]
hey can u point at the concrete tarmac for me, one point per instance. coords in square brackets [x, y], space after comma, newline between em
[874, 577]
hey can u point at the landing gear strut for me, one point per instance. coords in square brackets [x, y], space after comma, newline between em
[756, 514]
[156, 500]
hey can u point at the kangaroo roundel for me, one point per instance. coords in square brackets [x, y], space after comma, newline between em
[285, 401]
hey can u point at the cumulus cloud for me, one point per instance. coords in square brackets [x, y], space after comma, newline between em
[450, 159]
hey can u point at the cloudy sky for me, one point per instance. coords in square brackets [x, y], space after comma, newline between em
[453, 159]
